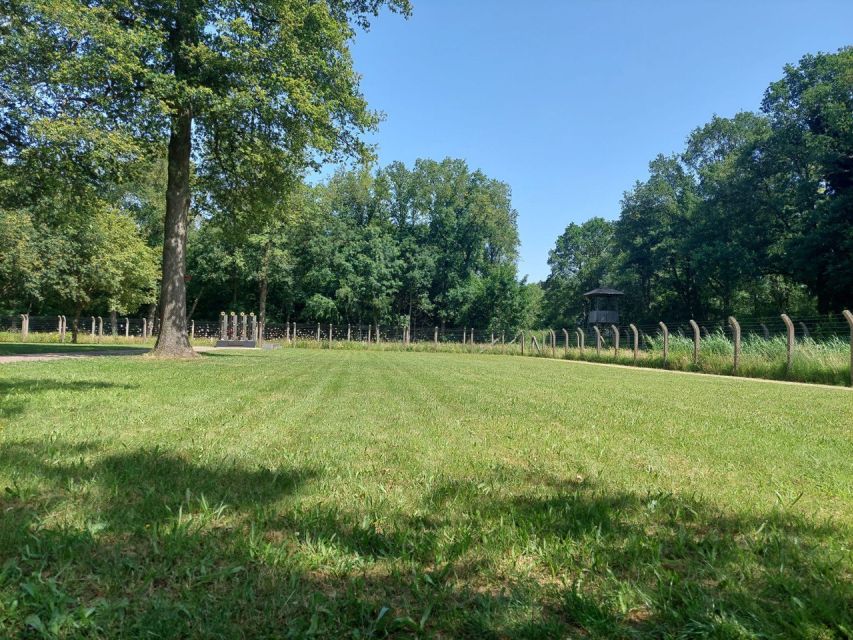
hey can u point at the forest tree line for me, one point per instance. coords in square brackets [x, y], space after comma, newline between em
[754, 217]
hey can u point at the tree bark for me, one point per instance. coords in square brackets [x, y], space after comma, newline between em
[262, 294]
[173, 339]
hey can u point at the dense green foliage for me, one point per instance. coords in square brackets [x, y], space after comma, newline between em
[433, 244]
[363, 494]
[754, 217]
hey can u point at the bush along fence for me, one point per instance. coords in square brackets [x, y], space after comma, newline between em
[807, 349]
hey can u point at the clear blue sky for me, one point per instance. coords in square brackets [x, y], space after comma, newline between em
[568, 101]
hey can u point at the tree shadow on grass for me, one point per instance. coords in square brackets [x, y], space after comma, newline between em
[169, 547]
[16, 393]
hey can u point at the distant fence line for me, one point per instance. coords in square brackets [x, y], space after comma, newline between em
[636, 337]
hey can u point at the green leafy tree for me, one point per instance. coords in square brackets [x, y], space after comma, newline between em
[246, 81]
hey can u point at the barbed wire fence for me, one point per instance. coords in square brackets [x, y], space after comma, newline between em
[623, 342]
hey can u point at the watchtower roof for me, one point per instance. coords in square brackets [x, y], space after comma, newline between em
[603, 291]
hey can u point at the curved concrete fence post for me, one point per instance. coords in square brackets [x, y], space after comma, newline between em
[636, 340]
[665, 331]
[330, 336]
[849, 317]
[735, 325]
[126, 327]
[615, 331]
[59, 326]
[318, 332]
[696, 340]
[597, 340]
[192, 329]
[566, 343]
[93, 326]
[581, 338]
[349, 333]
[472, 336]
[25, 326]
[144, 327]
[64, 328]
[805, 329]
[789, 343]
[553, 343]
[766, 332]
[435, 336]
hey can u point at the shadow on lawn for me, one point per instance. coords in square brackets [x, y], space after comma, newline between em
[15, 393]
[156, 554]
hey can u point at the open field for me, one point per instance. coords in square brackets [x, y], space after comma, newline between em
[365, 493]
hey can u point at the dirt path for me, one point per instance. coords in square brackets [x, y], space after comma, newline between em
[36, 357]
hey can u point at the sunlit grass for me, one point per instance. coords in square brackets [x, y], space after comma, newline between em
[366, 493]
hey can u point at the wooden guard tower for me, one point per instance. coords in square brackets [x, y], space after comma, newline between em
[603, 306]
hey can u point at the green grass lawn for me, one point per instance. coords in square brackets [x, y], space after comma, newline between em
[26, 348]
[347, 493]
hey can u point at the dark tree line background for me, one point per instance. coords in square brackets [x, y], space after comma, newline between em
[754, 217]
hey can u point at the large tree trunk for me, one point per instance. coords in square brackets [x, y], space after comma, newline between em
[173, 339]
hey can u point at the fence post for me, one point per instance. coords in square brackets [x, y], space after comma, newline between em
[735, 325]
[581, 338]
[223, 326]
[597, 339]
[126, 327]
[615, 331]
[849, 317]
[378, 336]
[144, 327]
[790, 341]
[253, 326]
[25, 329]
[766, 332]
[93, 326]
[805, 329]
[464, 335]
[192, 330]
[472, 336]
[553, 343]
[59, 326]
[349, 333]
[566, 343]
[64, 328]
[636, 341]
[318, 332]
[521, 333]
[435, 336]
[696, 339]
[665, 341]
[330, 335]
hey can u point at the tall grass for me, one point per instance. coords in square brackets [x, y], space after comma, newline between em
[821, 361]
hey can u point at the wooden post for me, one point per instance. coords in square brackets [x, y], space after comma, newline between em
[435, 336]
[665, 330]
[566, 342]
[696, 339]
[597, 340]
[849, 317]
[615, 331]
[790, 341]
[127, 327]
[735, 325]
[636, 341]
